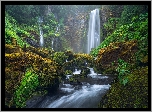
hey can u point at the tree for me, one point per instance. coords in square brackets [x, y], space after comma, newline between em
[25, 14]
[131, 11]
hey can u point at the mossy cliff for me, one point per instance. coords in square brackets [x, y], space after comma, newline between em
[16, 64]
[130, 88]
[133, 95]
[107, 59]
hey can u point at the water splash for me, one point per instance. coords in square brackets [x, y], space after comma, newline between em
[80, 98]
[77, 71]
[94, 30]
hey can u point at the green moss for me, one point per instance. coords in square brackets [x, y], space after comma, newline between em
[59, 57]
[133, 95]
[47, 70]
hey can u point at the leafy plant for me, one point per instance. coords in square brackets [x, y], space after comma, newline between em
[136, 30]
[122, 70]
[111, 25]
[28, 85]
[68, 72]
[60, 57]
[12, 30]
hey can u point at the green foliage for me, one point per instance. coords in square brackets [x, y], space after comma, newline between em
[111, 25]
[28, 84]
[136, 30]
[49, 24]
[25, 14]
[131, 11]
[68, 72]
[12, 30]
[122, 70]
[50, 27]
[60, 57]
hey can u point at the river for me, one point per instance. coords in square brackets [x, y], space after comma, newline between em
[85, 95]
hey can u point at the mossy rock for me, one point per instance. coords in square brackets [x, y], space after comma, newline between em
[113, 52]
[59, 57]
[70, 55]
[82, 59]
[12, 49]
[133, 95]
[17, 63]
[43, 52]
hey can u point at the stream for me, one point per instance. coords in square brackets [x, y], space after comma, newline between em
[85, 95]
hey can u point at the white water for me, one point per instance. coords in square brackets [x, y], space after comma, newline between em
[41, 32]
[94, 30]
[41, 37]
[87, 95]
[77, 71]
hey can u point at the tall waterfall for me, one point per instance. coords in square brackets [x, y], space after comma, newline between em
[94, 30]
[41, 32]
[41, 37]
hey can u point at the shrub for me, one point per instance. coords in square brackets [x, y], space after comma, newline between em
[123, 70]
[28, 84]
[59, 57]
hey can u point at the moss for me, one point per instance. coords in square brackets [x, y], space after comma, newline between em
[59, 57]
[133, 95]
[12, 49]
[79, 61]
[15, 66]
[82, 59]
[43, 52]
[145, 59]
[113, 52]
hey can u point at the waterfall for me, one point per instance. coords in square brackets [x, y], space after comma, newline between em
[41, 37]
[52, 44]
[41, 32]
[94, 30]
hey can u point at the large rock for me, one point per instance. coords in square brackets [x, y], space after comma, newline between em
[16, 64]
[108, 57]
[133, 95]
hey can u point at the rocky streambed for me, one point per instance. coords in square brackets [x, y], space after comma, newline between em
[85, 93]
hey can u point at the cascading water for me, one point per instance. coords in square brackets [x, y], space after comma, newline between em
[94, 30]
[41, 32]
[70, 95]
[41, 37]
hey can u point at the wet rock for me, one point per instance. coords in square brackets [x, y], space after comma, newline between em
[76, 82]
